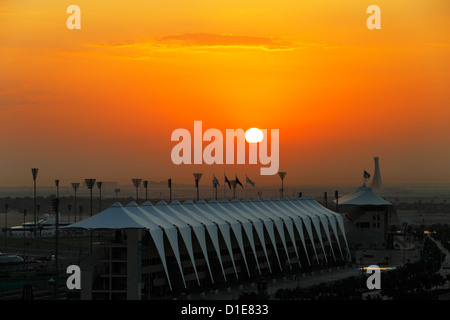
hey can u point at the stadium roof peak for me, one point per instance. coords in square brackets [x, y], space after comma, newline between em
[363, 196]
[132, 204]
[146, 203]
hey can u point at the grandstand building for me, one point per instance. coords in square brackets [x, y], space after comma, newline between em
[154, 250]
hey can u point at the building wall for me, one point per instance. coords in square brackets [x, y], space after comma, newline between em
[370, 227]
[134, 263]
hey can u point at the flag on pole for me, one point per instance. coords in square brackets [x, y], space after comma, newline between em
[366, 175]
[215, 181]
[250, 181]
[228, 181]
[238, 182]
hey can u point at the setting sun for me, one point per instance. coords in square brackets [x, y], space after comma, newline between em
[254, 135]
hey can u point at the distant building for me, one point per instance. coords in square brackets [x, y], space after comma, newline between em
[368, 219]
[44, 228]
[377, 183]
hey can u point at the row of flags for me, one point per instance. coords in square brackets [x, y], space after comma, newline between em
[238, 182]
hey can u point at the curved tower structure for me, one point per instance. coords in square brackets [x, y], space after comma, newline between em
[377, 183]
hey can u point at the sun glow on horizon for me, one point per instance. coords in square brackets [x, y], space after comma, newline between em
[254, 135]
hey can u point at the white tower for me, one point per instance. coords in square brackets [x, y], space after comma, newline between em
[377, 183]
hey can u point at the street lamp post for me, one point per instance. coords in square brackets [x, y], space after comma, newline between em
[90, 184]
[169, 182]
[215, 189]
[282, 175]
[137, 183]
[69, 208]
[6, 225]
[145, 184]
[116, 191]
[197, 177]
[233, 183]
[24, 215]
[75, 186]
[57, 188]
[336, 196]
[34, 172]
[99, 186]
[55, 205]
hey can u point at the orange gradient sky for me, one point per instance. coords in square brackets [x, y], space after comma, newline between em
[102, 102]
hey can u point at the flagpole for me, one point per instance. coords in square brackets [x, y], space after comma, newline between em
[215, 187]
[234, 185]
[246, 196]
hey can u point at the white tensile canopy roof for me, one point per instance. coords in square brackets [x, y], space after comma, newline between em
[117, 217]
[114, 217]
[215, 210]
[203, 210]
[212, 229]
[256, 222]
[363, 196]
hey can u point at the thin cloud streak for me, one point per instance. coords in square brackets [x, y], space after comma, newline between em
[205, 41]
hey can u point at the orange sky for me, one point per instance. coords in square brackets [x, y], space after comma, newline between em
[103, 101]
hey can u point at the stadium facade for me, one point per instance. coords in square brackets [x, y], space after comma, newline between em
[155, 250]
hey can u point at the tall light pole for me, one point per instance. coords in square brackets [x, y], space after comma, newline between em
[99, 186]
[75, 186]
[55, 205]
[57, 188]
[145, 183]
[90, 184]
[282, 175]
[169, 183]
[137, 183]
[117, 192]
[215, 183]
[197, 177]
[233, 183]
[38, 208]
[69, 208]
[34, 172]
[6, 225]
[336, 195]
[57, 213]
[24, 215]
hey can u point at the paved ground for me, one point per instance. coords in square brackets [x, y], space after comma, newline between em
[423, 218]
[397, 258]
[445, 267]
[304, 280]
